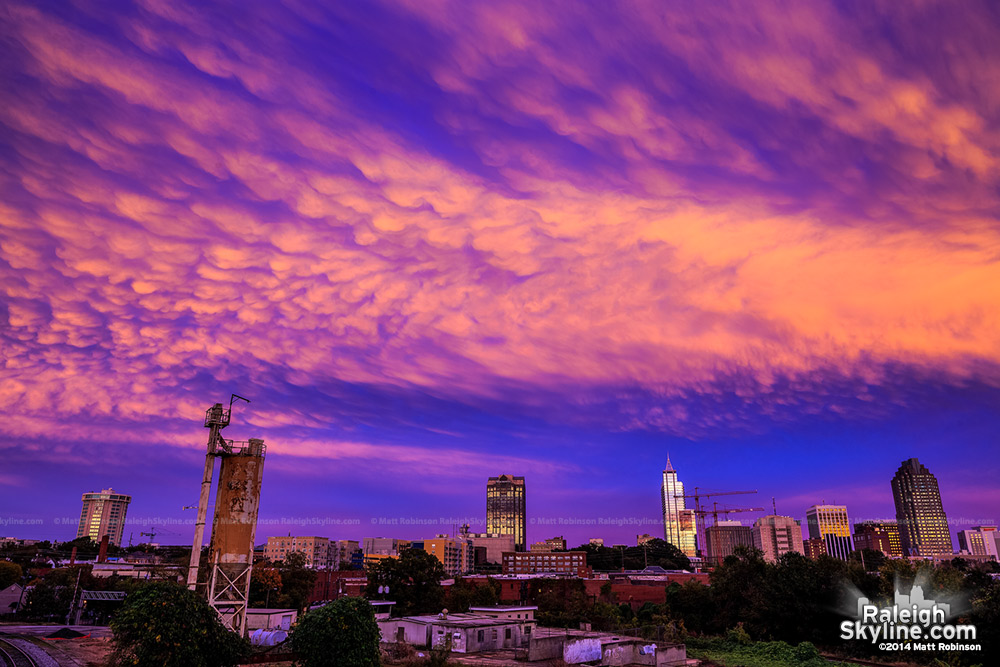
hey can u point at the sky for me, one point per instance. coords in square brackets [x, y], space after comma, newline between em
[434, 242]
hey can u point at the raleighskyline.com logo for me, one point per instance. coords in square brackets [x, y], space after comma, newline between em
[912, 623]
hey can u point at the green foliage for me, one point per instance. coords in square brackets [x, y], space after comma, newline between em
[414, 581]
[655, 552]
[464, 594]
[736, 649]
[297, 583]
[165, 624]
[10, 573]
[342, 634]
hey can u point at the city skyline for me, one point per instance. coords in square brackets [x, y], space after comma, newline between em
[430, 245]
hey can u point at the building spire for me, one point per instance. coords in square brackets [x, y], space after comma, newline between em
[669, 467]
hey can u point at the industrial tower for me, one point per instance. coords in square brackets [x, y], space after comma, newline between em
[237, 500]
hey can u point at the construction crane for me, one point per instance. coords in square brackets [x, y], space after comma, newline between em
[726, 511]
[151, 534]
[699, 514]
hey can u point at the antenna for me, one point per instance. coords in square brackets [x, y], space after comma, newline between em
[234, 397]
[774, 507]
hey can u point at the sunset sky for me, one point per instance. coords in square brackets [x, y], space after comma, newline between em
[438, 241]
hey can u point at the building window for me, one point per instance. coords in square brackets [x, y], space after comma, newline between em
[506, 633]
[479, 636]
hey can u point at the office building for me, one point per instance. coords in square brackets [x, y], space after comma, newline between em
[494, 545]
[814, 547]
[506, 510]
[829, 523]
[979, 541]
[722, 539]
[383, 546]
[596, 542]
[643, 539]
[551, 544]
[776, 536]
[456, 554]
[566, 562]
[878, 536]
[317, 550]
[103, 514]
[679, 526]
[923, 526]
[343, 552]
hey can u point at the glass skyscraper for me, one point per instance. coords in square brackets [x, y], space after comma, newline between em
[103, 514]
[505, 509]
[923, 526]
[679, 526]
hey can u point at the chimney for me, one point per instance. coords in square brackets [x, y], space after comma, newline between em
[72, 557]
[102, 556]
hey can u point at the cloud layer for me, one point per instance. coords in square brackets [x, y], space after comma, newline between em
[598, 215]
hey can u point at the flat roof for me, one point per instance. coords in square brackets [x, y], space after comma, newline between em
[258, 610]
[527, 607]
[459, 620]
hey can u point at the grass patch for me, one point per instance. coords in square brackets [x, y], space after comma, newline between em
[737, 652]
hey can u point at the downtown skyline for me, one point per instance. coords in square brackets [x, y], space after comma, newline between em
[436, 243]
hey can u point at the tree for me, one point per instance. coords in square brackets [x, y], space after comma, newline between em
[10, 573]
[265, 584]
[165, 624]
[297, 581]
[414, 581]
[342, 633]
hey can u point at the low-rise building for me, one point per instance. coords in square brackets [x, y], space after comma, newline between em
[462, 633]
[495, 545]
[270, 619]
[550, 545]
[567, 562]
[316, 550]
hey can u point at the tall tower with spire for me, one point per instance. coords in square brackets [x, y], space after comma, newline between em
[679, 526]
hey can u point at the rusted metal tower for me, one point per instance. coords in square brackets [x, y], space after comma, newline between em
[237, 501]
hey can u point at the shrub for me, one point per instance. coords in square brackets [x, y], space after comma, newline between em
[165, 624]
[343, 633]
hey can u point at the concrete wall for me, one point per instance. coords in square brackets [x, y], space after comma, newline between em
[587, 649]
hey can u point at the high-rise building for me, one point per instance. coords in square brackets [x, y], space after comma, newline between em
[829, 523]
[923, 526]
[777, 535]
[722, 539]
[679, 526]
[878, 536]
[506, 511]
[103, 514]
[980, 541]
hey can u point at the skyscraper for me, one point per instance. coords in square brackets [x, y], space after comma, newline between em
[678, 522]
[722, 539]
[776, 536]
[879, 536]
[923, 526]
[506, 512]
[829, 523]
[103, 514]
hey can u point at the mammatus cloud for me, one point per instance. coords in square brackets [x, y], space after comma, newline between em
[676, 200]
